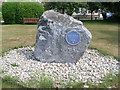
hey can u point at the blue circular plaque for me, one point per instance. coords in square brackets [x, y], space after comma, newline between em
[73, 37]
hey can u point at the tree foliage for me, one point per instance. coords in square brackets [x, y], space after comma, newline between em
[28, 10]
[8, 12]
[70, 7]
[94, 6]
[113, 7]
[65, 7]
[14, 12]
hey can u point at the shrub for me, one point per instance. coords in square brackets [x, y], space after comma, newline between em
[8, 12]
[14, 12]
[0, 8]
[0, 12]
[0, 15]
[28, 10]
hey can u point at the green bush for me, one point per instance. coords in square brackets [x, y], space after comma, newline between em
[14, 12]
[0, 15]
[8, 12]
[28, 10]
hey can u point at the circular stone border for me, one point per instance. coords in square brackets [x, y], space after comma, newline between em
[92, 67]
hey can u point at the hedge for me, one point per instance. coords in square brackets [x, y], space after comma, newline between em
[14, 12]
[8, 12]
[28, 10]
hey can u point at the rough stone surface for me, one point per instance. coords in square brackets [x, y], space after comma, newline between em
[51, 44]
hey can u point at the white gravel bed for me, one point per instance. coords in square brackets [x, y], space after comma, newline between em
[91, 67]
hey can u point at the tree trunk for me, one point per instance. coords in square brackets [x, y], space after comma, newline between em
[91, 15]
[62, 10]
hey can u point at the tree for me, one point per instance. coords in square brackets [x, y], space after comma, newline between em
[105, 6]
[94, 6]
[65, 7]
[113, 7]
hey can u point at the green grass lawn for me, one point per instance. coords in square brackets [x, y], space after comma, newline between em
[105, 36]
[8, 85]
[17, 36]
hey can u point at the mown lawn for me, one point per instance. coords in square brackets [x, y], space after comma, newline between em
[105, 37]
[17, 36]
[9, 85]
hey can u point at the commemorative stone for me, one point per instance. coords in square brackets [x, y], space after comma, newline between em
[60, 38]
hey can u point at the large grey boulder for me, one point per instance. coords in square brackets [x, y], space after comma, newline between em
[60, 38]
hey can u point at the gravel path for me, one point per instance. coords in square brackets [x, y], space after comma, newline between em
[91, 67]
